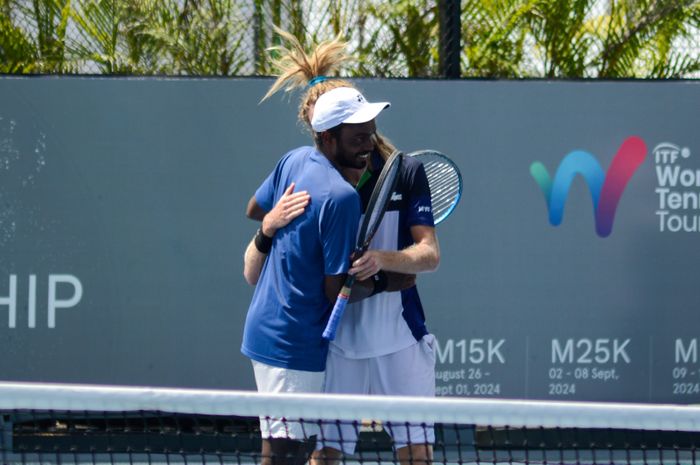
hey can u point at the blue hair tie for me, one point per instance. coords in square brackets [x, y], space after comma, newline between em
[316, 80]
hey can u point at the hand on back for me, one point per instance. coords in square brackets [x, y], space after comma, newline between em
[289, 206]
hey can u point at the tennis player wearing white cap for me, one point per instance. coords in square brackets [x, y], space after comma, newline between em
[307, 261]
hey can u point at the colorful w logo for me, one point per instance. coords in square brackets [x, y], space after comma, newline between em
[606, 189]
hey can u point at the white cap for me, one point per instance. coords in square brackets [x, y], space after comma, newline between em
[343, 105]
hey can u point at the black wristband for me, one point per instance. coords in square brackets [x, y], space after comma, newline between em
[262, 242]
[381, 281]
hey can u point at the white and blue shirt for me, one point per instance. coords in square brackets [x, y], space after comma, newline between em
[290, 309]
[389, 321]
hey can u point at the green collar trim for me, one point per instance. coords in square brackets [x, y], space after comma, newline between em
[363, 179]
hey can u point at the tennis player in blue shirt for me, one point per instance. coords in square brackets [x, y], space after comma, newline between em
[307, 260]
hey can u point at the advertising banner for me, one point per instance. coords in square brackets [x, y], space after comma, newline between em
[568, 271]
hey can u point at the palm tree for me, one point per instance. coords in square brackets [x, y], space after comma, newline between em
[18, 53]
[39, 46]
[100, 36]
[640, 36]
[400, 39]
[579, 38]
[199, 38]
[494, 37]
[564, 31]
[501, 38]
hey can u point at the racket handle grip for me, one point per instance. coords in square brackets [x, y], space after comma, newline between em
[337, 314]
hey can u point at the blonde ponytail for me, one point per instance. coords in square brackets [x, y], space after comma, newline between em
[296, 68]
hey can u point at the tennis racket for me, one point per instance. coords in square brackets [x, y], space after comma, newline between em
[444, 179]
[378, 201]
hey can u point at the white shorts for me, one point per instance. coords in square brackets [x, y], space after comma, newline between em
[274, 379]
[408, 372]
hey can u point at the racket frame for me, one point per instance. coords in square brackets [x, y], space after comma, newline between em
[365, 235]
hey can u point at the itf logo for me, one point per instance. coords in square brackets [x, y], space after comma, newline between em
[606, 189]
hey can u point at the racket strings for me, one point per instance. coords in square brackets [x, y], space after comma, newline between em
[444, 187]
[444, 180]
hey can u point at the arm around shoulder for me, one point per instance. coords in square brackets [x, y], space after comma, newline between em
[254, 211]
[253, 261]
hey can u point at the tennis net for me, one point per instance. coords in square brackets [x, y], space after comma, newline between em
[65, 424]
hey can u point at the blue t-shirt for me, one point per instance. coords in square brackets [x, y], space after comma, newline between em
[290, 309]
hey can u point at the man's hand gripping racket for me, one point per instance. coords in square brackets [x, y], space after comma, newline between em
[378, 202]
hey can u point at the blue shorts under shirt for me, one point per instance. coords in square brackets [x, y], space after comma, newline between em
[290, 309]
